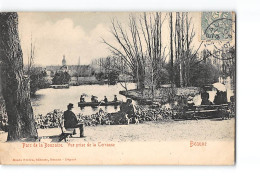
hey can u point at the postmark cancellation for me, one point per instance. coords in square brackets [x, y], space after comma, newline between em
[216, 26]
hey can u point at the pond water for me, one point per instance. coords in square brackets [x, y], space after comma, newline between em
[46, 100]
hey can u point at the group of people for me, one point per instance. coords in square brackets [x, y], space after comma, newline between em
[128, 112]
[95, 98]
[70, 119]
[220, 98]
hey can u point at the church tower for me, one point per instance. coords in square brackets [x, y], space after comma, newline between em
[79, 61]
[63, 61]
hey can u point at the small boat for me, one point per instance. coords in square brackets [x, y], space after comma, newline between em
[94, 104]
[63, 86]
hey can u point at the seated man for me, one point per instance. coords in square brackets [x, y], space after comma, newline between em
[82, 99]
[94, 98]
[70, 120]
[205, 98]
[190, 102]
[129, 109]
[115, 99]
[105, 99]
[220, 98]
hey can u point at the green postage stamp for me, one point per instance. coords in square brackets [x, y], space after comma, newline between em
[216, 26]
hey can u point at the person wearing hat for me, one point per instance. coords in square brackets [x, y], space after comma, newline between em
[70, 120]
[105, 99]
[128, 109]
[82, 99]
[94, 98]
[115, 98]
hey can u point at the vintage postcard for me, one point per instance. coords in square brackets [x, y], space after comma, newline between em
[104, 88]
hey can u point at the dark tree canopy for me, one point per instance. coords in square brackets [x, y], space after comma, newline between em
[203, 74]
[113, 77]
[100, 76]
[61, 78]
[37, 80]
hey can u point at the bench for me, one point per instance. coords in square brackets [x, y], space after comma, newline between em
[208, 109]
[65, 133]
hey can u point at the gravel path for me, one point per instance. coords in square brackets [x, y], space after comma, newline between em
[207, 129]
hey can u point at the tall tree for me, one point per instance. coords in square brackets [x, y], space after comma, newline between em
[139, 43]
[184, 54]
[171, 49]
[15, 86]
[132, 50]
[155, 55]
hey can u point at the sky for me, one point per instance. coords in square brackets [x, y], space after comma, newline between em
[75, 35]
[71, 34]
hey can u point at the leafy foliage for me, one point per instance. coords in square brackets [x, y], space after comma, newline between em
[113, 77]
[37, 80]
[203, 73]
[229, 66]
[61, 78]
[100, 76]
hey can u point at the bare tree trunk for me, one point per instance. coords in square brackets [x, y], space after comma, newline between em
[183, 38]
[171, 46]
[16, 90]
[182, 50]
[179, 44]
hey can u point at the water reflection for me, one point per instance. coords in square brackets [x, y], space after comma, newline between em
[47, 100]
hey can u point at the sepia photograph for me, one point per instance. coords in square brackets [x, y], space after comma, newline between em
[118, 88]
